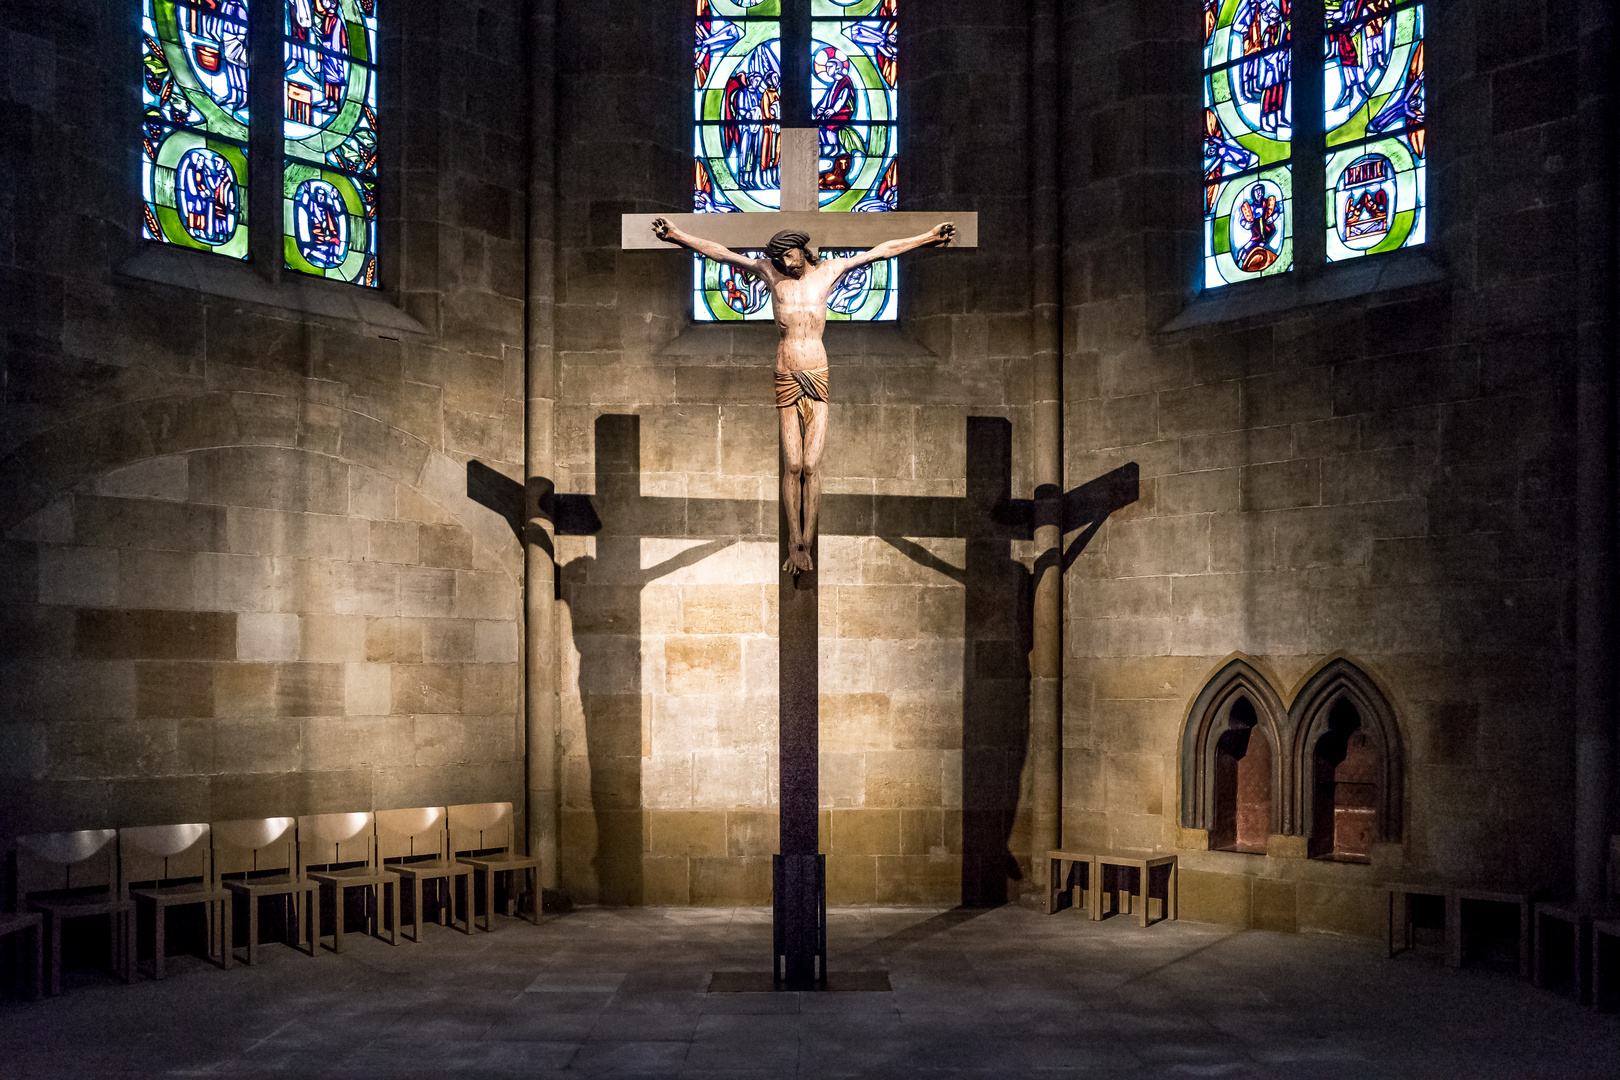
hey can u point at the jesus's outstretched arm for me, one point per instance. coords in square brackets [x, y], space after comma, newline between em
[935, 237]
[718, 252]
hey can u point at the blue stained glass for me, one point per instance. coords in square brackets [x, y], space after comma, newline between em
[737, 86]
[329, 90]
[1247, 140]
[1374, 112]
[194, 125]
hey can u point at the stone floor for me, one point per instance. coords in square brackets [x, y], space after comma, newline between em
[621, 992]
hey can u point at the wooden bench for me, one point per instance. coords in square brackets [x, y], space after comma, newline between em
[1095, 863]
[1580, 919]
[1453, 897]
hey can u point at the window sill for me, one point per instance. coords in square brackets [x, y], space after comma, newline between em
[1342, 281]
[236, 280]
[703, 342]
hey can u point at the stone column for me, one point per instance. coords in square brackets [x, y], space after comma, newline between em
[1046, 653]
[1595, 502]
[540, 569]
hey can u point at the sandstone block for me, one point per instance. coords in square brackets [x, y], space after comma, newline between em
[1282, 484]
[426, 688]
[666, 881]
[268, 636]
[165, 688]
[1215, 898]
[367, 689]
[851, 879]
[78, 576]
[702, 665]
[1276, 905]
[720, 609]
[865, 832]
[904, 778]
[156, 635]
[686, 834]
[155, 579]
[728, 882]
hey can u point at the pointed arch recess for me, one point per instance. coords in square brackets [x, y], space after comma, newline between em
[1339, 679]
[1207, 721]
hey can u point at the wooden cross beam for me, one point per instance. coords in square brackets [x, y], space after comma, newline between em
[801, 185]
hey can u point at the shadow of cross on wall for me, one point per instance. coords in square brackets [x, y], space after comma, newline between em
[604, 595]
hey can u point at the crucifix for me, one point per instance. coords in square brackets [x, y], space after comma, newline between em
[799, 287]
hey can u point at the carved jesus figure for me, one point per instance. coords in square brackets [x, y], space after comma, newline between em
[800, 284]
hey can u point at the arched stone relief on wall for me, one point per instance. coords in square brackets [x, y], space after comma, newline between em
[1233, 753]
[1347, 763]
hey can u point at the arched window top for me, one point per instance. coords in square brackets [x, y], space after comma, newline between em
[1237, 707]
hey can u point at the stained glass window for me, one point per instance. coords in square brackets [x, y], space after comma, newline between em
[737, 79]
[1374, 119]
[1248, 136]
[194, 124]
[329, 178]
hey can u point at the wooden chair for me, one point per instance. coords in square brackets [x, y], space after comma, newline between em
[74, 875]
[29, 927]
[257, 859]
[165, 866]
[339, 852]
[414, 845]
[481, 836]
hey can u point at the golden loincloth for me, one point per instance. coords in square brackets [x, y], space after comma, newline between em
[799, 389]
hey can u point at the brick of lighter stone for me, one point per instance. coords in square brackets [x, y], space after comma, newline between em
[842, 780]
[666, 782]
[164, 477]
[728, 778]
[371, 494]
[702, 664]
[681, 724]
[267, 636]
[482, 595]
[51, 524]
[845, 666]
[233, 582]
[367, 690]
[917, 664]
[495, 642]
[78, 577]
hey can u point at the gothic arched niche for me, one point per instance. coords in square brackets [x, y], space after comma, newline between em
[1347, 764]
[1231, 765]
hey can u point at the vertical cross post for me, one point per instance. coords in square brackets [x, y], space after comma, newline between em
[799, 873]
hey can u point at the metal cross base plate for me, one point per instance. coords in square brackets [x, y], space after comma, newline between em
[763, 982]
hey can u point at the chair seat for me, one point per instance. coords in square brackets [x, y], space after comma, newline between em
[501, 862]
[195, 893]
[71, 907]
[266, 886]
[427, 868]
[353, 875]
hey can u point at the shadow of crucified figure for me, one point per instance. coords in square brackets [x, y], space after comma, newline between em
[800, 283]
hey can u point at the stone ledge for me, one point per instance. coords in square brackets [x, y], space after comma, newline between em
[702, 343]
[238, 280]
[1341, 281]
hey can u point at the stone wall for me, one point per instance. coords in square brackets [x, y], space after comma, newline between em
[1389, 477]
[241, 572]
